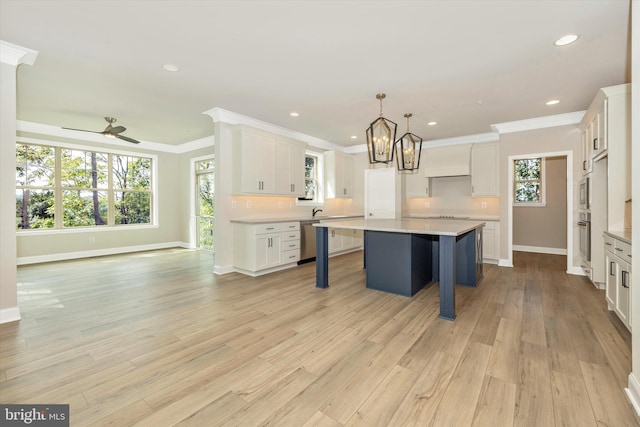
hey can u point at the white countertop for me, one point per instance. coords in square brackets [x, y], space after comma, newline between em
[440, 227]
[293, 219]
[625, 235]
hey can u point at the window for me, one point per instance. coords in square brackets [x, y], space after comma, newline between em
[529, 182]
[312, 179]
[205, 207]
[60, 188]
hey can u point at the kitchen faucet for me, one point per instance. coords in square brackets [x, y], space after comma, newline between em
[314, 211]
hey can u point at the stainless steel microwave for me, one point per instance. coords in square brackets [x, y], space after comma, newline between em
[585, 194]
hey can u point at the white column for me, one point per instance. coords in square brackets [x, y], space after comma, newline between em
[10, 57]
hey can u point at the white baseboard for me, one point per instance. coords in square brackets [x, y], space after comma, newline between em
[223, 269]
[504, 263]
[9, 315]
[633, 392]
[577, 271]
[98, 252]
[540, 250]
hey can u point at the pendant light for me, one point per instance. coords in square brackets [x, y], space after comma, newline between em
[381, 135]
[409, 148]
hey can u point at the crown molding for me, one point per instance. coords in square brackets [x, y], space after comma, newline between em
[15, 55]
[539, 122]
[225, 116]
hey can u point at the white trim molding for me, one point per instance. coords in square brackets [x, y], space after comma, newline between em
[9, 315]
[220, 270]
[15, 55]
[64, 256]
[539, 122]
[229, 117]
[540, 250]
[633, 392]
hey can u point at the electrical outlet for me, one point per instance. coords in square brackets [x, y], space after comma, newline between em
[484, 205]
[426, 204]
[233, 204]
[248, 203]
[280, 203]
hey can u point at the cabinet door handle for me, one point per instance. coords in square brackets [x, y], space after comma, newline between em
[269, 228]
[595, 143]
[619, 249]
[611, 268]
[584, 165]
[344, 191]
[607, 243]
[624, 279]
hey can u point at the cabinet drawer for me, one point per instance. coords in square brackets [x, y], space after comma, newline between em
[291, 256]
[609, 243]
[268, 228]
[623, 250]
[290, 226]
[290, 235]
[291, 244]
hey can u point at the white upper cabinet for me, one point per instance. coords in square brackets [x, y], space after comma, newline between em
[484, 170]
[290, 168]
[267, 164]
[416, 184]
[338, 170]
[254, 158]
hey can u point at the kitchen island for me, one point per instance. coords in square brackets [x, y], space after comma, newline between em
[402, 255]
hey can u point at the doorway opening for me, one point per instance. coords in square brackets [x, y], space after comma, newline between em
[514, 219]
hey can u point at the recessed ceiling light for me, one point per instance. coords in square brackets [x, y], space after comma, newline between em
[565, 40]
[432, 123]
[170, 67]
[294, 114]
[354, 136]
[553, 102]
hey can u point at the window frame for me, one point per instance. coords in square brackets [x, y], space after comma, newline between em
[58, 188]
[319, 199]
[543, 191]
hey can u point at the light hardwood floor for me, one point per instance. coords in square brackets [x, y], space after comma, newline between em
[156, 339]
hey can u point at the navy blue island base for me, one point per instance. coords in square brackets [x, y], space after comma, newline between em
[402, 256]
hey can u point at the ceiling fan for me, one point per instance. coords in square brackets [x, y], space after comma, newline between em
[110, 131]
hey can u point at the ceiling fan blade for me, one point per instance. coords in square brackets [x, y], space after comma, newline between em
[82, 130]
[126, 138]
[118, 129]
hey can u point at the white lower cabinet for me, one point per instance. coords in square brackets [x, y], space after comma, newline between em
[263, 248]
[343, 240]
[618, 278]
[491, 242]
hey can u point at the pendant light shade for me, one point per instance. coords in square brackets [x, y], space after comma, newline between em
[381, 135]
[409, 148]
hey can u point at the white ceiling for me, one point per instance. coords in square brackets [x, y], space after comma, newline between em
[464, 64]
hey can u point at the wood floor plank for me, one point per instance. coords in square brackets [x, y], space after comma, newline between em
[461, 397]
[505, 351]
[380, 406]
[154, 338]
[571, 405]
[496, 405]
[609, 403]
[422, 400]
[534, 401]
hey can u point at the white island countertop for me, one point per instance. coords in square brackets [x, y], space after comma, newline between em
[438, 227]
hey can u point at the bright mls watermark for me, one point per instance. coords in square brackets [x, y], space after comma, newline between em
[34, 415]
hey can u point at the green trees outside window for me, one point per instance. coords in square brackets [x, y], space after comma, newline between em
[65, 188]
[528, 180]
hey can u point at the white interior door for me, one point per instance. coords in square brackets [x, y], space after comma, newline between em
[381, 193]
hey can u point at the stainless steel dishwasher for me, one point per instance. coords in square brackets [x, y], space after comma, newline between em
[308, 240]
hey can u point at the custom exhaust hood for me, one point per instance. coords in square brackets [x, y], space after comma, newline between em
[452, 160]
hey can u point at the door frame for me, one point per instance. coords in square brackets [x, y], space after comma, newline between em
[570, 206]
[193, 227]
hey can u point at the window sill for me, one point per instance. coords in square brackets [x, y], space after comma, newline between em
[96, 229]
[529, 205]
